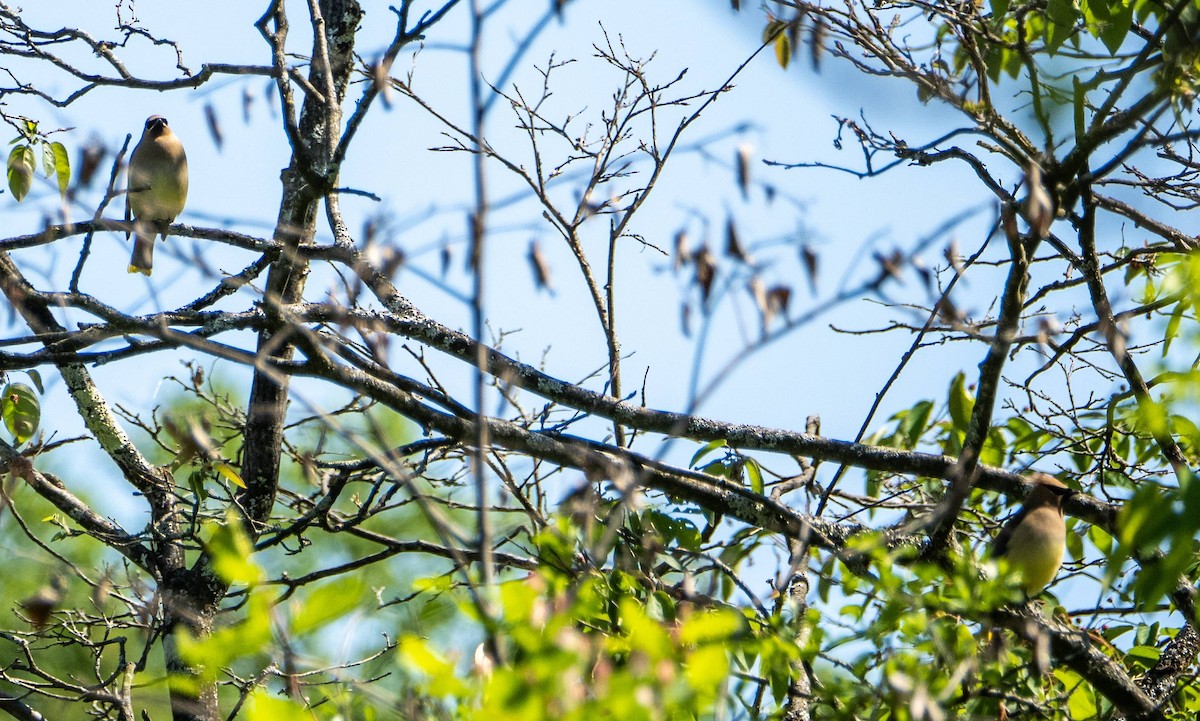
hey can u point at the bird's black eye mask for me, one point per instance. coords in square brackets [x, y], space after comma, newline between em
[1062, 492]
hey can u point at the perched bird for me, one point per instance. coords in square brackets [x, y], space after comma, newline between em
[1034, 539]
[158, 185]
[45, 601]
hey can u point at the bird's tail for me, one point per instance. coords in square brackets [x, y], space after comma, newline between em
[142, 260]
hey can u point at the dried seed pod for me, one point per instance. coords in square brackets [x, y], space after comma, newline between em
[541, 269]
[1039, 206]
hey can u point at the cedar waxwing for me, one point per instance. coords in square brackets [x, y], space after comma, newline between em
[158, 184]
[45, 601]
[1034, 539]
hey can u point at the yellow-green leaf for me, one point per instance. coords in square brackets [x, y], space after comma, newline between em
[708, 448]
[327, 603]
[711, 627]
[262, 706]
[773, 28]
[231, 552]
[20, 171]
[783, 50]
[21, 410]
[230, 475]
[754, 472]
[62, 166]
[962, 403]
[441, 676]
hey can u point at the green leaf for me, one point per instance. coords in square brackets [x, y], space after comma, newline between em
[913, 423]
[1185, 428]
[1173, 327]
[1113, 32]
[229, 644]
[1149, 653]
[440, 584]
[783, 50]
[961, 402]
[718, 468]
[37, 381]
[21, 410]
[645, 634]
[1100, 539]
[1075, 544]
[262, 706]
[716, 626]
[674, 531]
[47, 160]
[1080, 103]
[1081, 704]
[20, 171]
[754, 471]
[1056, 35]
[231, 552]
[328, 603]
[62, 166]
[1189, 699]
[195, 481]
[441, 676]
[994, 448]
[1060, 23]
[707, 667]
[708, 448]
[773, 29]
[994, 62]
[230, 474]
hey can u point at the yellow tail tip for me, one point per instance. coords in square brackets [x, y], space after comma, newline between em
[143, 271]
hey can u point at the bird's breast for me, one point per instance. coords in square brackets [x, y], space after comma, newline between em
[1036, 548]
[158, 182]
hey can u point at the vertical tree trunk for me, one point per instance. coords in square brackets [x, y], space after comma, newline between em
[195, 596]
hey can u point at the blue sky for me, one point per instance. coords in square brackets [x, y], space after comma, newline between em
[424, 193]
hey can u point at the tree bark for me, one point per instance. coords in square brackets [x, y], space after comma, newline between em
[311, 175]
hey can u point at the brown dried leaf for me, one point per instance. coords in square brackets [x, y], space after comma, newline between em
[793, 30]
[817, 40]
[733, 244]
[758, 291]
[924, 273]
[214, 125]
[949, 312]
[247, 103]
[90, 157]
[1039, 206]
[779, 297]
[269, 94]
[892, 265]
[383, 83]
[954, 258]
[742, 162]
[811, 263]
[706, 270]
[541, 269]
[683, 250]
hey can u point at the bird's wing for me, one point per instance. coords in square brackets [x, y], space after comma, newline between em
[128, 212]
[1000, 545]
